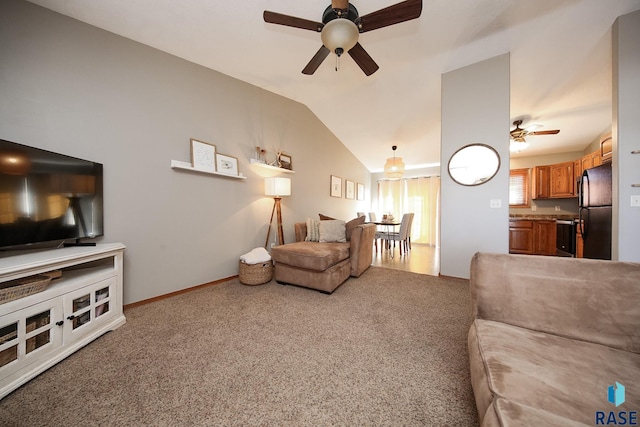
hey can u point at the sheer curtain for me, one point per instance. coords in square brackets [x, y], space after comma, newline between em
[418, 195]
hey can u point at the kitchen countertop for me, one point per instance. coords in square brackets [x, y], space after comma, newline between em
[531, 217]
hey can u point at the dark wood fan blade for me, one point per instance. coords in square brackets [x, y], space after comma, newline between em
[315, 62]
[362, 58]
[545, 132]
[291, 21]
[395, 14]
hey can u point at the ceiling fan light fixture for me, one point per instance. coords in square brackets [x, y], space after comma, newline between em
[518, 146]
[339, 33]
[394, 167]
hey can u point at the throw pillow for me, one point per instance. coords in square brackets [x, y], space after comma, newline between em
[313, 234]
[353, 224]
[332, 231]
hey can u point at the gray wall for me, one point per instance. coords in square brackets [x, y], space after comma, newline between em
[75, 89]
[478, 96]
[626, 128]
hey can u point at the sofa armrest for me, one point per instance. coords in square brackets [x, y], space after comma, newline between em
[361, 250]
[300, 229]
[590, 300]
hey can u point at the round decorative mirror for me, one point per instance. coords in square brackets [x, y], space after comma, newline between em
[474, 164]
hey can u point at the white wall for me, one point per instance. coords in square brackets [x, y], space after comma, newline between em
[71, 88]
[478, 96]
[626, 131]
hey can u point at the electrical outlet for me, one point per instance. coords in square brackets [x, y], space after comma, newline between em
[557, 208]
[635, 201]
[495, 203]
[534, 208]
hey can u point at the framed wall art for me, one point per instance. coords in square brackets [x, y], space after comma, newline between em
[227, 165]
[350, 190]
[203, 155]
[336, 186]
[285, 161]
[360, 192]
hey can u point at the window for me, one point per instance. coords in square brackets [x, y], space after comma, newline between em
[519, 188]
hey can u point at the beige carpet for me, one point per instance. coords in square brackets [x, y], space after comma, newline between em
[388, 348]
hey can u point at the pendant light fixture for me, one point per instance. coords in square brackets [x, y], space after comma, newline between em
[394, 168]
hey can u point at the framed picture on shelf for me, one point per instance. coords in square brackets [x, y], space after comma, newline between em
[350, 190]
[203, 155]
[336, 186]
[360, 192]
[227, 165]
[285, 161]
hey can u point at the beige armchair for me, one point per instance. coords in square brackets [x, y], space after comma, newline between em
[324, 266]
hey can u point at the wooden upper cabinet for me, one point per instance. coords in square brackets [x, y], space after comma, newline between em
[606, 148]
[561, 180]
[540, 185]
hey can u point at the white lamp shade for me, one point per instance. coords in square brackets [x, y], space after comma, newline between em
[277, 187]
[339, 33]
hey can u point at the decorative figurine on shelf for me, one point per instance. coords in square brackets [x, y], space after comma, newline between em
[260, 154]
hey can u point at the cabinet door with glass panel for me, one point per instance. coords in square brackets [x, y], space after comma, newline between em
[28, 334]
[87, 306]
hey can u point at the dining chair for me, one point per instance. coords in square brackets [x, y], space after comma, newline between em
[359, 214]
[402, 236]
[372, 217]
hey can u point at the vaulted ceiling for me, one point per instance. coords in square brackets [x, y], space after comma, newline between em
[560, 62]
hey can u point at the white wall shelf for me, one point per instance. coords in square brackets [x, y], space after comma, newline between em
[176, 164]
[273, 168]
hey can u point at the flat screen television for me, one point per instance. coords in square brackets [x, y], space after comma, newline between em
[47, 198]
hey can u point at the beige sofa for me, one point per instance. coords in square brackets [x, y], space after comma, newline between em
[550, 335]
[324, 266]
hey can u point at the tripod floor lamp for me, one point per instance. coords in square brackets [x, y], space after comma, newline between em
[276, 188]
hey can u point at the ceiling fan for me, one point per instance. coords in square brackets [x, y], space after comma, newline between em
[518, 134]
[341, 26]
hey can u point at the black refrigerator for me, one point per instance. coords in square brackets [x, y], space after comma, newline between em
[595, 201]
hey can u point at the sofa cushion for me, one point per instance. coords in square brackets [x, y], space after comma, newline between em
[310, 255]
[332, 231]
[563, 376]
[505, 413]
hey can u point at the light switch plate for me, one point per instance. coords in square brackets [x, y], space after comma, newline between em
[635, 201]
[495, 203]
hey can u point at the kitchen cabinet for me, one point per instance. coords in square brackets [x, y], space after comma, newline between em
[532, 237]
[553, 181]
[561, 182]
[540, 185]
[544, 237]
[579, 243]
[606, 148]
[520, 237]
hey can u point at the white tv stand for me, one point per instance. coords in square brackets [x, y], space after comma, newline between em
[39, 330]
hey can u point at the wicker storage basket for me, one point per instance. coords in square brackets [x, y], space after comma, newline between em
[21, 288]
[255, 274]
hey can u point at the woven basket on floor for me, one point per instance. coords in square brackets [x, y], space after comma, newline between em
[21, 288]
[255, 274]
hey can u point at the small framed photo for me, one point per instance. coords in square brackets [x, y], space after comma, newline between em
[285, 161]
[227, 165]
[336, 186]
[360, 192]
[349, 190]
[203, 155]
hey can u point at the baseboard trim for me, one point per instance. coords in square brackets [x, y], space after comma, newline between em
[181, 291]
